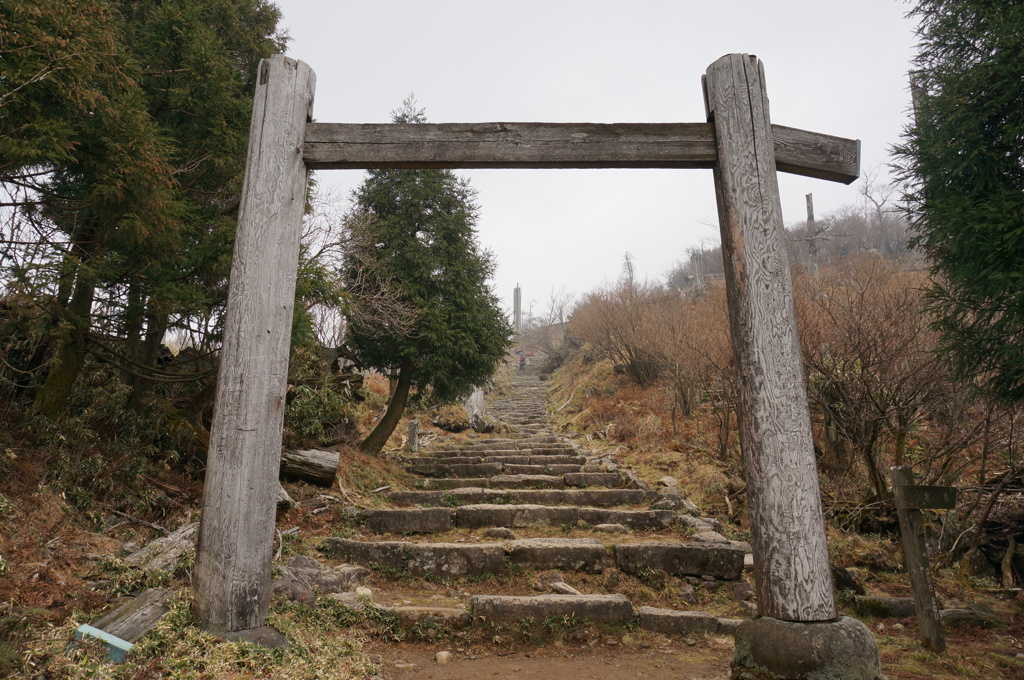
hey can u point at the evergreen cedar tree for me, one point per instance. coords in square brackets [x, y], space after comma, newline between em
[421, 225]
[129, 120]
[963, 164]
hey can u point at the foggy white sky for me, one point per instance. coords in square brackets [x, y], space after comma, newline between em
[831, 66]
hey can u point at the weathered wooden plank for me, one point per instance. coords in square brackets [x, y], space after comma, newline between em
[921, 497]
[509, 145]
[232, 573]
[794, 581]
[929, 622]
[310, 465]
[137, 617]
[812, 154]
[561, 145]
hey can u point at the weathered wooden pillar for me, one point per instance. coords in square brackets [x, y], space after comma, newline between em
[794, 581]
[233, 563]
[929, 621]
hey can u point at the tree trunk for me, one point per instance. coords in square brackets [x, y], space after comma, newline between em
[396, 407]
[53, 395]
[156, 324]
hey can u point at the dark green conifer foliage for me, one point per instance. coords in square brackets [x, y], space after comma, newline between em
[421, 224]
[963, 160]
[127, 122]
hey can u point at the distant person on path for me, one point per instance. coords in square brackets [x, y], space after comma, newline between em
[522, 361]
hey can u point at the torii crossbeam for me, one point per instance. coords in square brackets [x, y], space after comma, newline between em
[741, 146]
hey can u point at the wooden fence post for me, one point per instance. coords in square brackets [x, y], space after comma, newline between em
[236, 536]
[794, 581]
[929, 622]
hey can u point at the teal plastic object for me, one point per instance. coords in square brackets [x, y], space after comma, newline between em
[116, 647]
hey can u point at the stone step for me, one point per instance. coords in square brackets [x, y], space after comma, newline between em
[521, 459]
[497, 482]
[609, 480]
[606, 609]
[505, 609]
[475, 452]
[453, 560]
[541, 469]
[440, 520]
[719, 560]
[463, 470]
[471, 495]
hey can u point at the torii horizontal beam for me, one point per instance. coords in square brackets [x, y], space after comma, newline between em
[562, 145]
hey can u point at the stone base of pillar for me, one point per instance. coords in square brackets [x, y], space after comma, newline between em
[771, 649]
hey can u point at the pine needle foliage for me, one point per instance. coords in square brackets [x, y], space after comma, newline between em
[963, 164]
[422, 226]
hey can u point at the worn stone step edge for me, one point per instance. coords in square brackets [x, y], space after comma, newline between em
[507, 481]
[522, 459]
[486, 610]
[490, 469]
[440, 520]
[474, 495]
[452, 560]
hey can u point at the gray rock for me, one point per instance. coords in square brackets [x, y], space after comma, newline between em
[968, 617]
[476, 516]
[611, 528]
[350, 600]
[452, 560]
[409, 521]
[421, 559]
[770, 648]
[686, 593]
[672, 622]
[698, 524]
[304, 576]
[163, 553]
[608, 479]
[581, 554]
[681, 559]
[728, 626]
[710, 537]
[292, 587]
[742, 591]
[352, 574]
[503, 609]
[675, 501]
[634, 519]
[668, 481]
[634, 482]
[563, 588]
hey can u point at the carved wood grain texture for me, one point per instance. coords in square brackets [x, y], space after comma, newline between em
[233, 562]
[561, 145]
[794, 581]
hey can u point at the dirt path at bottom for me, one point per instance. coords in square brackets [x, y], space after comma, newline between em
[703, 660]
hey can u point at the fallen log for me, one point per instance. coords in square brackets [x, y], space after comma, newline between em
[311, 465]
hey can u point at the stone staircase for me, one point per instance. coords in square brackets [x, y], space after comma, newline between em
[496, 513]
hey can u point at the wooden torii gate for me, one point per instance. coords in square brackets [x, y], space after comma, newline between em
[741, 146]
